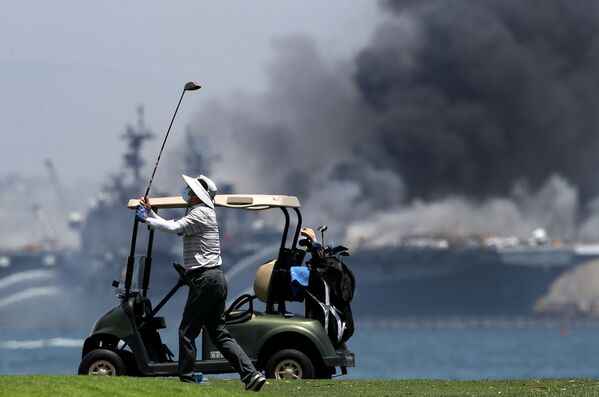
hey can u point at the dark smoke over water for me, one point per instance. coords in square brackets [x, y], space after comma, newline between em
[486, 93]
[476, 116]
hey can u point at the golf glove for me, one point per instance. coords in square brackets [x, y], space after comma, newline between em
[141, 213]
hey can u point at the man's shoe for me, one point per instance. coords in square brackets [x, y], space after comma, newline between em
[197, 378]
[255, 382]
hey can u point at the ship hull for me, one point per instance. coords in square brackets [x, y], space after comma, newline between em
[470, 291]
[424, 282]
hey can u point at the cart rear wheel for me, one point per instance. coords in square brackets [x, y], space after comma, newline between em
[289, 364]
[102, 362]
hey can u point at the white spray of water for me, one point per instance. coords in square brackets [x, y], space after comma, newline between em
[254, 259]
[29, 275]
[40, 343]
[29, 293]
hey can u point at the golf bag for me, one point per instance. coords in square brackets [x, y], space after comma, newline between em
[329, 294]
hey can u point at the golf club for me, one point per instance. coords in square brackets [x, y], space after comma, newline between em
[191, 86]
[322, 229]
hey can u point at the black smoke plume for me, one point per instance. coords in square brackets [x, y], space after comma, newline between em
[451, 100]
[486, 93]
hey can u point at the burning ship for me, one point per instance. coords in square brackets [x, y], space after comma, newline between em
[419, 276]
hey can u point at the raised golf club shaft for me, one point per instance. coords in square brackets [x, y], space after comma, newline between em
[188, 87]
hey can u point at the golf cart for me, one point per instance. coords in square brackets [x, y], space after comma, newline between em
[126, 339]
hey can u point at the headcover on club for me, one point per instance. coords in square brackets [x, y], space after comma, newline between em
[308, 233]
[205, 196]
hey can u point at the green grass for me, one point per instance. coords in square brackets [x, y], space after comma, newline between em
[84, 386]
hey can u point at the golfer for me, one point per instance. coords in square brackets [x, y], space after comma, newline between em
[205, 306]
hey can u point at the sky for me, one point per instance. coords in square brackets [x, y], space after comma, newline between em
[74, 72]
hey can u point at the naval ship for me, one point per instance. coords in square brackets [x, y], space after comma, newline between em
[476, 276]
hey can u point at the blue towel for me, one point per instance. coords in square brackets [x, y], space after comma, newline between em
[299, 277]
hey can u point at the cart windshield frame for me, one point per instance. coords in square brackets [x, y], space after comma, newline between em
[251, 202]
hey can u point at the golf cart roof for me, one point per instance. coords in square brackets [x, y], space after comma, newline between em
[243, 201]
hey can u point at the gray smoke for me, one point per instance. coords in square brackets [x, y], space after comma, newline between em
[485, 109]
[553, 206]
[290, 137]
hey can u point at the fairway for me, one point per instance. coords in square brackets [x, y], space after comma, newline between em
[70, 385]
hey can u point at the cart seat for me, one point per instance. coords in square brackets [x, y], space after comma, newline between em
[262, 280]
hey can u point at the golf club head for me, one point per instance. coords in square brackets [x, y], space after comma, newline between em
[322, 229]
[191, 86]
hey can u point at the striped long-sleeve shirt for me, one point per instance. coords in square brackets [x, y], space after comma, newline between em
[201, 245]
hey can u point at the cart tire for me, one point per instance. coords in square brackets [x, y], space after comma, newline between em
[289, 364]
[102, 362]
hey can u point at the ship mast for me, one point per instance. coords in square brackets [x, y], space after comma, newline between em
[136, 138]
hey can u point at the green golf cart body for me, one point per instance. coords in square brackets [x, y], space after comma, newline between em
[126, 339]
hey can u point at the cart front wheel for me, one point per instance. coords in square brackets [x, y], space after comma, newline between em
[289, 364]
[102, 362]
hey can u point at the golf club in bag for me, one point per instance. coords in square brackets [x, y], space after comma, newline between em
[330, 290]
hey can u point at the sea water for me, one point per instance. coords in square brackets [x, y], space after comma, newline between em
[390, 349]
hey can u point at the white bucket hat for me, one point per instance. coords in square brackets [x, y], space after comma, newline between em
[205, 196]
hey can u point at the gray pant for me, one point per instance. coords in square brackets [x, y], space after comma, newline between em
[205, 306]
